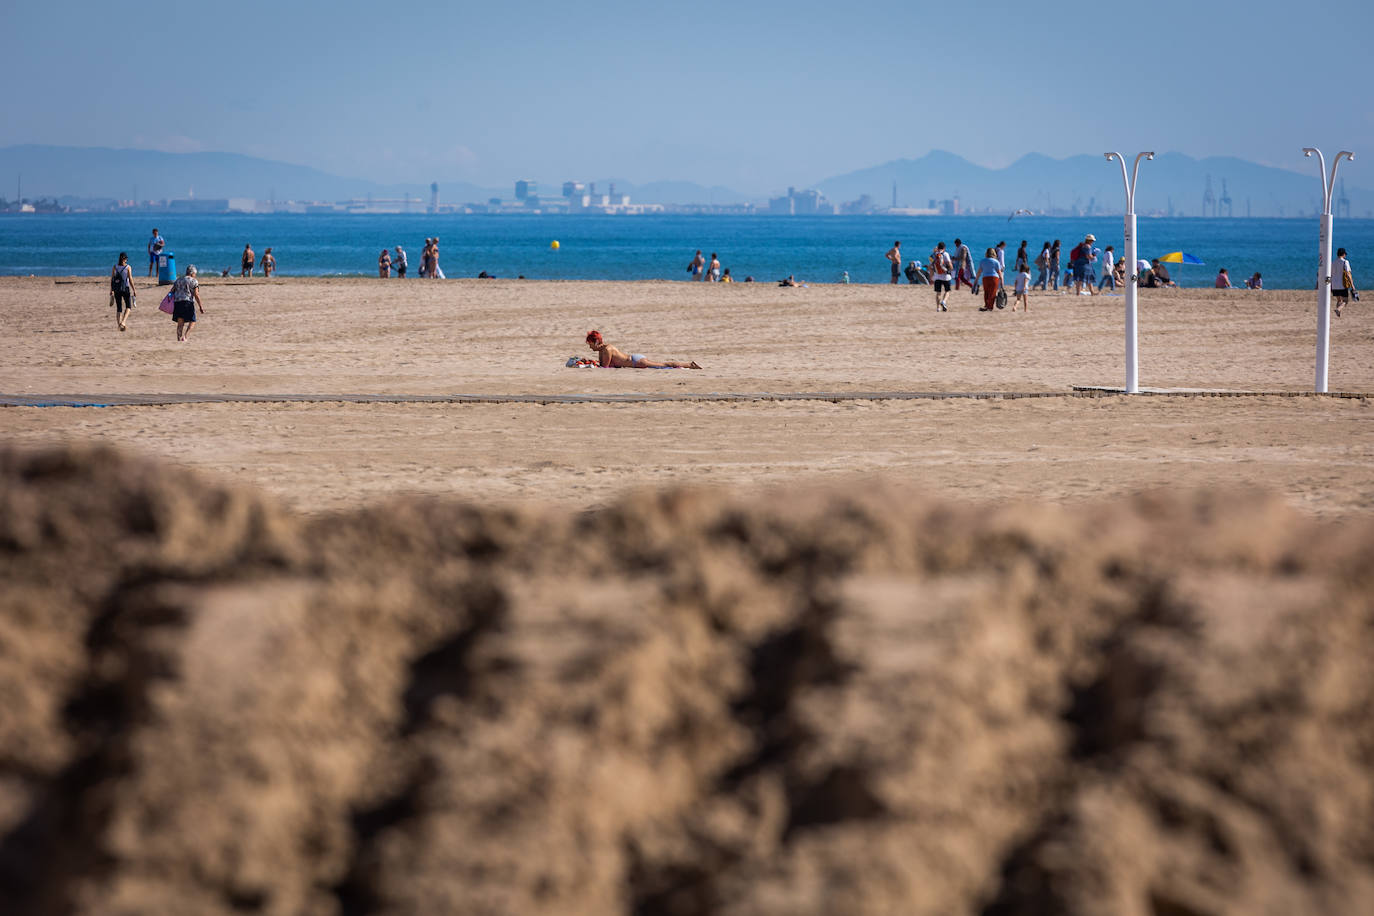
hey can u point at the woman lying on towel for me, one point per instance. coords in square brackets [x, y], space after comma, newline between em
[615, 358]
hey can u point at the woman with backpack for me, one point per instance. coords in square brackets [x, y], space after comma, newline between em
[122, 293]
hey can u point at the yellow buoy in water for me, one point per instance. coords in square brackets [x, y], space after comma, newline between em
[554, 244]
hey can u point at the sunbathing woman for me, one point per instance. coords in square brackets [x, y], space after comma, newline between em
[615, 358]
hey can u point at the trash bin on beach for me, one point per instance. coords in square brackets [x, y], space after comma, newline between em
[166, 268]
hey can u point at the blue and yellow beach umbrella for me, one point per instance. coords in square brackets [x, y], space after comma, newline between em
[1181, 257]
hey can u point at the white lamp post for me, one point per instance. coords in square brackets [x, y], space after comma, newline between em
[1324, 268]
[1132, 370]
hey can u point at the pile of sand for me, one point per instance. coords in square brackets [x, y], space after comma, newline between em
[859, 701]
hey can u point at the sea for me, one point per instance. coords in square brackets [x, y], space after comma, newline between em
[814, 249]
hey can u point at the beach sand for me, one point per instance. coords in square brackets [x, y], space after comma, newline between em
[500, 338]
[694, 649]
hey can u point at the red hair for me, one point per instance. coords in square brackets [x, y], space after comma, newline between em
[594, 337]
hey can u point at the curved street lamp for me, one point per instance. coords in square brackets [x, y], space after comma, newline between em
[1132, 369]
[1324, 268]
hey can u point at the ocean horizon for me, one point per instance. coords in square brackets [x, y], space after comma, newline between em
[651, 246]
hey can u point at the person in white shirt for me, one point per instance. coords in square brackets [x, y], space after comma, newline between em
[155, 246]
[1022, 290]
[1108, 265]
[1342, 283]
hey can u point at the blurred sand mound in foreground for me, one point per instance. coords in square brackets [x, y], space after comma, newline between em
[820, 701]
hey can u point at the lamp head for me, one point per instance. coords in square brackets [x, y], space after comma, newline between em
[1307, 152]
[1150, 156]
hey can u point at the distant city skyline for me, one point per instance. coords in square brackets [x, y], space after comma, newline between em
[94, 178]
[756, 97]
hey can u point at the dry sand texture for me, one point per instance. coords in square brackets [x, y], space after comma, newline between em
[503, 337]
[862, 701]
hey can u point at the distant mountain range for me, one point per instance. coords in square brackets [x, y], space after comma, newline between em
[1173, 182]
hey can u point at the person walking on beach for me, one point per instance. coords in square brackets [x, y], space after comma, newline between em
[269, 263]
[1342, 282]
[611, 357]
[1108, 269]
[941, 271]
[435, 271]
[1001, 252]
[1042, 263]
[424, 259]
[122, 292]
[713, 274]
[384, 264]
[1022, 289]
[399, 262]
[894, 256]
[1022, 258]
[248, 260]
[185, 300]
[963, 266]
[155, 246]
[990, 278]
[697, 266]
[1054, 264]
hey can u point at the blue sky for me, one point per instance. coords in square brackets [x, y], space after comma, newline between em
[750, 95]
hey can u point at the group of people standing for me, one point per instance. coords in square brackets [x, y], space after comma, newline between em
[700, 270]
[1081, 272]
[429, 262]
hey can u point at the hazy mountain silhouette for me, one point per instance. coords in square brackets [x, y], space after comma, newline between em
[51, 171]
[1041, 183]
[1034, 181]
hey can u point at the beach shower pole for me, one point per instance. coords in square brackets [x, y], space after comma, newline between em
[1132, 367]
[1324, 268]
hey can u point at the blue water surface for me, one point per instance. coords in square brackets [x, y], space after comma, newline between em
[649, 247]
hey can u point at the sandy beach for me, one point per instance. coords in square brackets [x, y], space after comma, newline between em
[511, 338]
[774, 637]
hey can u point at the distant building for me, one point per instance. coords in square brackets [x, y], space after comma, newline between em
[808, 202]
[573, 189]
[525, 189]
[863, 205]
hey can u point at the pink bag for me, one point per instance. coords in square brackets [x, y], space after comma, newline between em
[167, 303]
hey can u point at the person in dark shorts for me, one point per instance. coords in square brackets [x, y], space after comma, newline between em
[249, 259]
[155, 246]
[894, 254]
[122, 291]
[1342, 282]
[185, 301]
[941, 273]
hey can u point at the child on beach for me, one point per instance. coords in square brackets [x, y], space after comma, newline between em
[614, 358]
[1022, 289]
